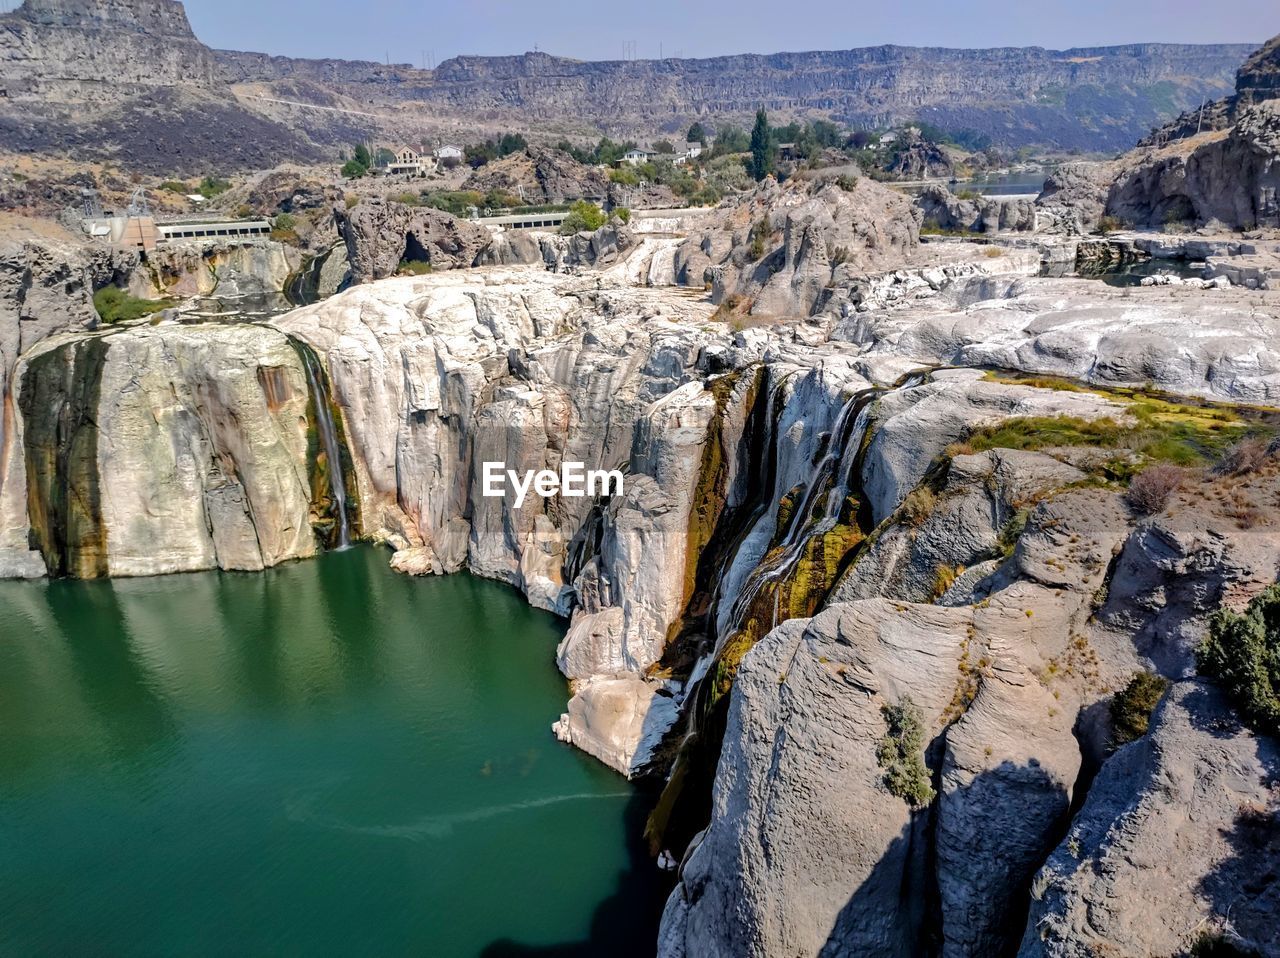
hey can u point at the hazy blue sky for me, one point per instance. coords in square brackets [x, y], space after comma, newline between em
[598, 29]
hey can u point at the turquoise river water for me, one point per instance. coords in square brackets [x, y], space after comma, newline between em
[323, 759]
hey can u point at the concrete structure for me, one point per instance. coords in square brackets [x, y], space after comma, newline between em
[143, 232]
[448, 152]
[523, 221]
[230, 229]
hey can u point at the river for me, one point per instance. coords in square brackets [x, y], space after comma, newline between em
[323, 759]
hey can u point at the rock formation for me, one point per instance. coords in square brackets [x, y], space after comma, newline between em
[133, 72]
[1225, 174]
[381, 235]
[538, 175]
[780, 250]
[854, 495]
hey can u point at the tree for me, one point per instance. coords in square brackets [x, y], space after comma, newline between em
[511, 143]
[697, 134]
[664, 146]
[362, 156]
[1242, 652]
[761, 147]
[730, 139]
[383, 157]
[353, 170]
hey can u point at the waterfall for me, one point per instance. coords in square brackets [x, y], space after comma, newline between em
[328, 441]
[836, 471]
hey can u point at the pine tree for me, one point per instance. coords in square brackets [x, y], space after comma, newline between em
[761, 147]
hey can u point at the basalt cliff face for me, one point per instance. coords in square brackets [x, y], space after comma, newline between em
[1218, 166]
[1017, 95]
[855, 487]
[106, 79]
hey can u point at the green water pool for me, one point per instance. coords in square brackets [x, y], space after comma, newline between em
[323, 759]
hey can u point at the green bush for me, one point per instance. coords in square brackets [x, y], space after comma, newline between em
[175, 186]
[624, 175]
[583, 216]
[114, 305]
[353, 170]
[413, 267]
[1242, 652]
[284, 221]
[901, 753]
[211, 186]
[623, 214]
[1132, 707]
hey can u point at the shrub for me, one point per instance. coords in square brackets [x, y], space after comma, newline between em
[174, 186]
[284, 221]
[1132, 707]
[352, 170]
[413, 267]
[901, 753]
[847, 182]
[211, 186]
[623, 214]
[1245, 456]
[114, 305]
[624, 175]
[1109, 224]
[760, 234]
[1150, 490]
[918, 505]
[583, 216]
[991, 252]
[1242, 652]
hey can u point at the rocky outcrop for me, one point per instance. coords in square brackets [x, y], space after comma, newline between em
[96, 49]
[1174, 847]
[1074, 196]
[1075, 328]
[166, 449]
[779, 250]
[1228, 178]
[538, 175]
[380, 235]
[915, 158]
[947, 212]
[1216, 166]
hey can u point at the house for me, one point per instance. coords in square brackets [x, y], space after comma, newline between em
[693, 150]
[888, 138]
[637, 156]
[448, 152]
[786, 151]
[409, 162]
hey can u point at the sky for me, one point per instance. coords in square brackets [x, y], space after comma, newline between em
[425, 32]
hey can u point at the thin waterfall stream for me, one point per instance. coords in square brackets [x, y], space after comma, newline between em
[329, 442]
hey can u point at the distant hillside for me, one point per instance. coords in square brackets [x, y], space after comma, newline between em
[79, 75]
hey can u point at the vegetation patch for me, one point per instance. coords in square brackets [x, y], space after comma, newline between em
[901, 753]
[1132, 707]
[583, 217]
[114, 305]
[1242, 652]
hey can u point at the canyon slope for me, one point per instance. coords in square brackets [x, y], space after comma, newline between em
[118, 80]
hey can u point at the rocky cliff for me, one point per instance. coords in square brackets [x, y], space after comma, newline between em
[871, 586]
[108, 78]
[1224, 172]
[1017, 96]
